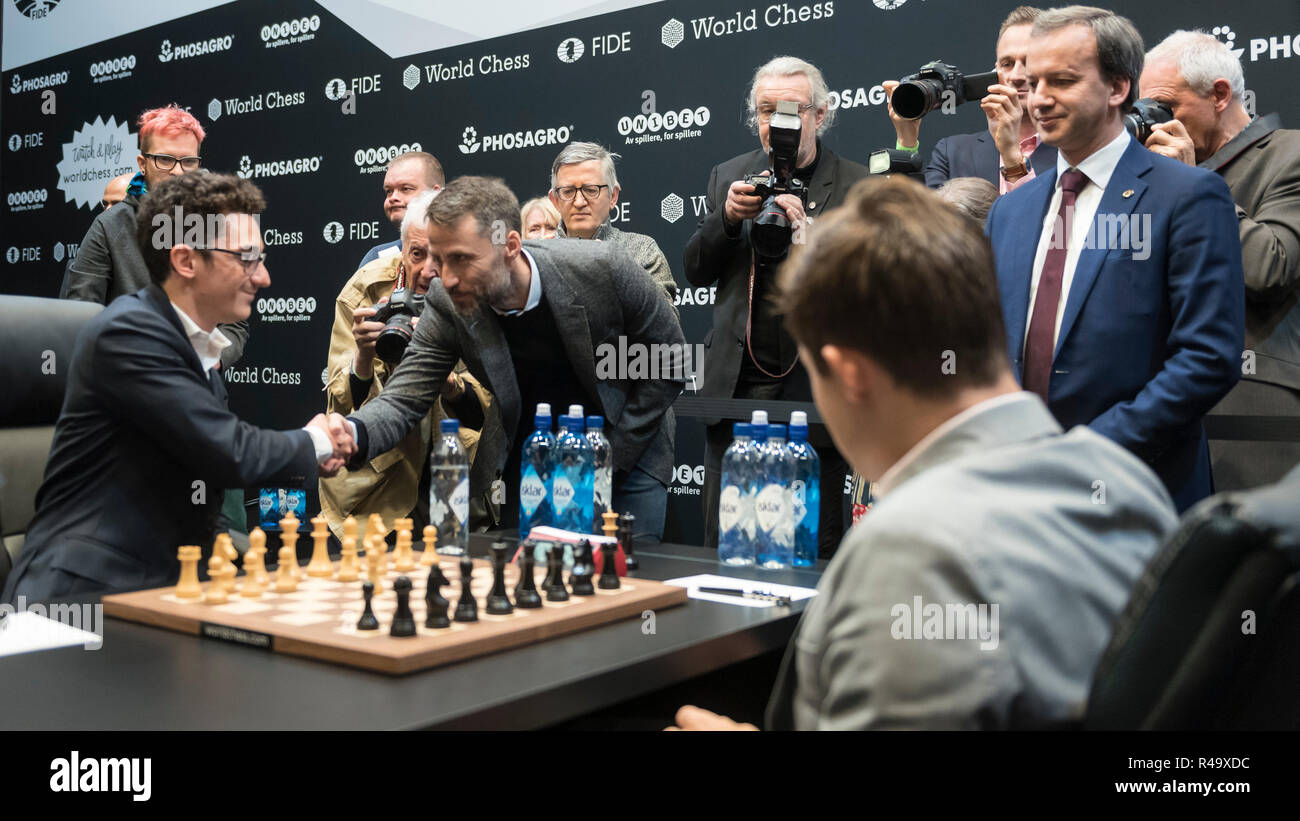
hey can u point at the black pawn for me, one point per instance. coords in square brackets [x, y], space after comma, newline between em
[403, 620]
[583, 569]
[626, 523]
[435, 604]
[526, 595]
[498, 602]
[466, 607]
[555, 589]
[609, 567]
[368, 620]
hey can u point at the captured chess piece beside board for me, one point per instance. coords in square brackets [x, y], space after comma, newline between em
[386, 611]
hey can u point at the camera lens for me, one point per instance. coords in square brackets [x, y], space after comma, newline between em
[916, 98]
[770, 234]
[393, 339]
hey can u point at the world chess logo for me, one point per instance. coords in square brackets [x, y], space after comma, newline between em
[672, 207]
[672, 33]
[11, 255]
[411, 77]
[35, 9]
[214, 109]
[58, 251]
[245, 167]
[336, 89]
[1229, 38]
[15, 142]
[570, 50]
[469, 142]
[165, 52]
[325, 376]
[333, 232]
[888, 5]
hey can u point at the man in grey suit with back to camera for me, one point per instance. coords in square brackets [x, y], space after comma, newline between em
[535, 322]
[980, 590]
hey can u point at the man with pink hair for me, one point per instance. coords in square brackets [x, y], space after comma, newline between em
[108, 263]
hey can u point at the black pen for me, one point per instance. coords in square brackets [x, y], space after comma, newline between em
[779, 601]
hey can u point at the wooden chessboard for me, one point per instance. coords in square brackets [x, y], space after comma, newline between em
[319, 619]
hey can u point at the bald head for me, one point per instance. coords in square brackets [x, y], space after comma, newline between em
[115, 191]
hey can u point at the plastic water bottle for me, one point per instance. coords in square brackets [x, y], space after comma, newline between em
[772, 507]
[574, 475]
[602, 493]
[740, 466]
[449, 490]
[535, 509]
[805, 491]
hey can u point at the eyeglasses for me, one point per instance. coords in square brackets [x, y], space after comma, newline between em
[589, 192]
[765, 112]
[249, 259]
[166, 162]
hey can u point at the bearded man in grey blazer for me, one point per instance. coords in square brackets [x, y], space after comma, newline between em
[536, 322]
[980, 590]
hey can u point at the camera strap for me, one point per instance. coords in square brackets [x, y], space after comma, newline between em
[401, 277]
[749, 327]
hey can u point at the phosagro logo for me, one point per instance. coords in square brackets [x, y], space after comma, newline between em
[17, 85]
[570, 50]
[1275, 47]
[333, 232]
[166, 53]
[280, 168]
[27, 200]
[862, 96]
[1228, 37]
[291, 31]
[470, 142]
[35, 9]
[281, 309]
[652, 126]
[371, 160]
[115, 69]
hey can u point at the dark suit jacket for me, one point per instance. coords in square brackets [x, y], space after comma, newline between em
[714, 256]
[142, 451]
[597, 294]
[1262, 168]
[1146, 345]
[975, 155]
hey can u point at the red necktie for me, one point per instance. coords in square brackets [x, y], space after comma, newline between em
[1041, 342]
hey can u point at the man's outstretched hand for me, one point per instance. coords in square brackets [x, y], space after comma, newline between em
[697, 718]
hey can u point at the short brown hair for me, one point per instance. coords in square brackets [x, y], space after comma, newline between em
[1120, 52]
[1019, 16]
[199, 192]
[487, 199]
[433, 175]
[901, 276]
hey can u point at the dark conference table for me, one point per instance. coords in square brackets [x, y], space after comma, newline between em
[148, 678]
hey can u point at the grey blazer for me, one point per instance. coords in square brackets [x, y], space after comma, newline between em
[1000, 509]
[597, 293]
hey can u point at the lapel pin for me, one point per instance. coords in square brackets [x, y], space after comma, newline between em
[1128, 193]
[812, 205]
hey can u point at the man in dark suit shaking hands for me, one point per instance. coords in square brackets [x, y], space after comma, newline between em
[1119, 271]
[146, 444]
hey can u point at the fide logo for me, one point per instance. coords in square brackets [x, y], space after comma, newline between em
[570, 50]
[35, 9]
[333, 232]
[214, 109]
[469, 142]
[889, 5]
[672, 33]
[15, 142]
[11, 256]
[336, 89]
[411, 77]
[672, 207]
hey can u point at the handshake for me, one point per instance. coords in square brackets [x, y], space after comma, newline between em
[339, 433]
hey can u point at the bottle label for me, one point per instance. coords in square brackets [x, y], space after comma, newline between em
[770, 507]
[562, 493]
[532, 491]
[604, 488]
[729, 508]
[460, 502]
[799, 498]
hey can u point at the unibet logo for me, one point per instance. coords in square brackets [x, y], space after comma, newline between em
[114, 69]
[570, 50]
[470, 141]
[411, 77]
[672, 33]
[669, 121]
[27, 200]
[280, 309]
[370, 160]
[214, 109]
[1228, 37]
[333, 232]
[672, 207]
[336, 89]
[291, 31]
[688, 475]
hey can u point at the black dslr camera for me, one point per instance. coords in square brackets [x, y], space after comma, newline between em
[771, 232]
[1146, 113]
[923, 92]
[396, 314]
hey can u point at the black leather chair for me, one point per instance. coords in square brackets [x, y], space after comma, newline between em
[36, 341]
[1211, 636]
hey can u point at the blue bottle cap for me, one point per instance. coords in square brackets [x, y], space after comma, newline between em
[597, 422]
[776, 431]
[575, 424]
[740, 429]
[450, 426]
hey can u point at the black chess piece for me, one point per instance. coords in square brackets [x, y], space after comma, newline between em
[498, 601]
[466, 607]
[555, 589]
[435, 604]
[583, 569]
[626, 523]
[609, 567]
[368, 620]
[403, 620]
[526, 595]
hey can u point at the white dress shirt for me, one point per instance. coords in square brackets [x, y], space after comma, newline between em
[1098, 169]
[207, 345]
[534, 289]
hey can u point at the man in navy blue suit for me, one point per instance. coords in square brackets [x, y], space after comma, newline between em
[1120, 271]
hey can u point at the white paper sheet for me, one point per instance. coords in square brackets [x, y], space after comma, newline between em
[26, 632]
[693, 583]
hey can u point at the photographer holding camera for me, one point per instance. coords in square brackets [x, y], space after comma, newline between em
[1010, 152]
[739, 243]
[377, 312]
